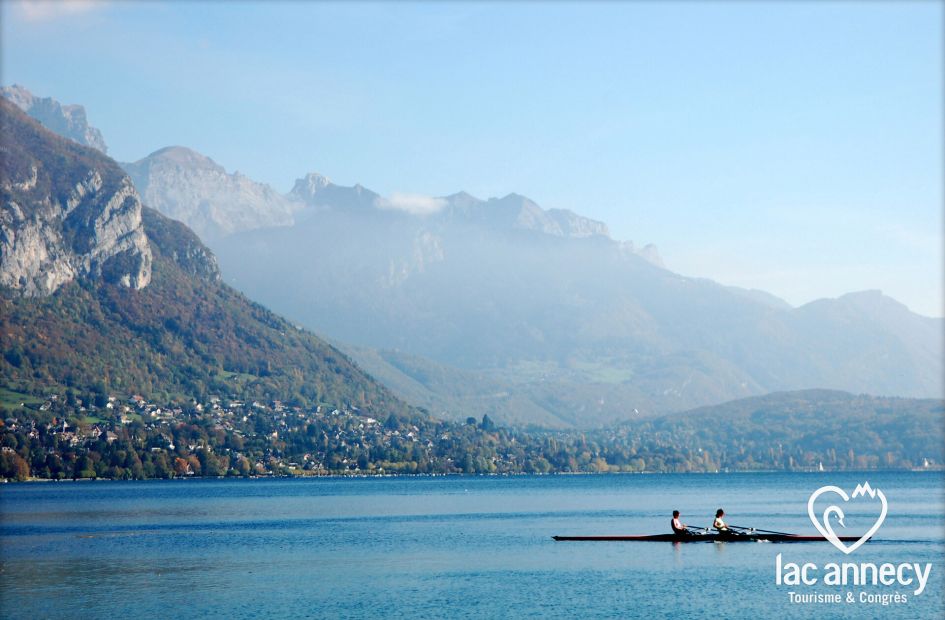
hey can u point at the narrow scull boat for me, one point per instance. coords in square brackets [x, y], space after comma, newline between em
[711, 537]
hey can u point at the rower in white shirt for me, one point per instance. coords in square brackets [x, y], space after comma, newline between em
[719, 525]
[679, 528]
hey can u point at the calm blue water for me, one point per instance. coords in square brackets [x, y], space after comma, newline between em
[452, 547]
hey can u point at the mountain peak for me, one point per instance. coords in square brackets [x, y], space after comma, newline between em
[183, 156]
[69, 121]
[317, 190]
[652, 255]
[521, 212]
[306, 188]
[19, 95]
[518, 201]
[310, 184]
[872, 298]
[873, 303]
[463, 196]
[189, 186]
[871, 294]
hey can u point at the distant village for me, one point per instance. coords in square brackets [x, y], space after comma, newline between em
[107, 437]
[232, 437]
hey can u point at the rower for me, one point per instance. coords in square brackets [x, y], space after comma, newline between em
[719, 524]
[679, 528]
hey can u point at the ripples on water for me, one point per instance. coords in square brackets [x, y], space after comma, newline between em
[441, 547]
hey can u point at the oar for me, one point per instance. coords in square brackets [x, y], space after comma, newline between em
[730, 528]
[763, 531]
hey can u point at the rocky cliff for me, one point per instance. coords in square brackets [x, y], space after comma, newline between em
[66, 120]
[66, 211]
[194, 189]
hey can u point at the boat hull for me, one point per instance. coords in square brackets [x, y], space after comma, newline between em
[753, 537]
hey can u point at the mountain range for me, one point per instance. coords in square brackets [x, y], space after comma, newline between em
[468, 306]
[100, 294]
[574, 329]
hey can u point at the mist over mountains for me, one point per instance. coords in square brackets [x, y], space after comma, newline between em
[468, 306]
[539, 316]
[573, 329]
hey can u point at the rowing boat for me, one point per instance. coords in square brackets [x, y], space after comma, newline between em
[711, 537]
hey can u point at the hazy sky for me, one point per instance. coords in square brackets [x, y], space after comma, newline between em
[794, 147]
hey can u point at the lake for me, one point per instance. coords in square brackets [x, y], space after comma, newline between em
[449, 547]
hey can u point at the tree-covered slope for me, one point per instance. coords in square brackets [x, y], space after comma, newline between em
[185, 335]
[804, 429]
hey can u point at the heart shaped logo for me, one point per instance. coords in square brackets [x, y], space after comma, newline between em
[823, 525]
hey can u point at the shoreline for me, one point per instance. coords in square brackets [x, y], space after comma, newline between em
[930, 470]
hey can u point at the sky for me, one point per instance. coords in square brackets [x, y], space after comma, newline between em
[793, 147]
